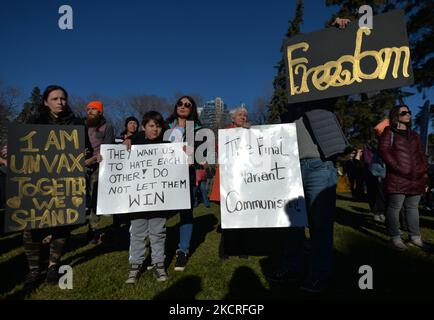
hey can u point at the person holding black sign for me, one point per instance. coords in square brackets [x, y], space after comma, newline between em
[406, 166]
[53, 111]
[320, 141]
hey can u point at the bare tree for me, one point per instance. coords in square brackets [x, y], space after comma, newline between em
[259, 113]
[9, 97]
[145, 102]
[78, 105]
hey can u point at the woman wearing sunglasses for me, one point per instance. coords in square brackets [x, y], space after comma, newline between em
[185, 110]
[406, 165]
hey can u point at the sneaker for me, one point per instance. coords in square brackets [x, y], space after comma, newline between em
[32, 280]
[314, 286]
[134, 273]
[398, 244]
[160, 272]
[181, 261]
[283, 275]
[53, 275]
[377, 218]
[93, 236]
[418, 243]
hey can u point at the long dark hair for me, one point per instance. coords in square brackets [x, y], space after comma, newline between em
[43, 109]
[194, 116]
[394, 116]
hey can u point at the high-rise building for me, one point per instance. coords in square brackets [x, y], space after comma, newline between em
[215, 115]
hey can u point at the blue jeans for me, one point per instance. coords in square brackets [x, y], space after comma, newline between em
[203, 192]
[185, 230]
[186, 225]
[319, 184]
[410, 203]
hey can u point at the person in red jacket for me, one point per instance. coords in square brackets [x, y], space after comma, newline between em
[406, 165]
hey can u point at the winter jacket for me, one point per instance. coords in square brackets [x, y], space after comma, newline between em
[327, 132]
[405, 160]
[103, 134]
[65, 118]
[322, 125]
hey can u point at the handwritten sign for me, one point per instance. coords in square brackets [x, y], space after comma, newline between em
[46, 184]
[150, 177]
[260, 178]
[332, 62]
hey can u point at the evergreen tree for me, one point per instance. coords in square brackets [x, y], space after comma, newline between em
[9, 97]
[5, 113]
[31, 106]
[360, 113]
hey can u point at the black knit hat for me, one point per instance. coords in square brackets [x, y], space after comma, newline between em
[131, 119]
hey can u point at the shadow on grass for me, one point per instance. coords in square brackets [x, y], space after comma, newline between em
[360, 222]
[202, 225]
[426, 223]
[361, 210]
[396, 275]
[245, 284]
[185, 289]
[10, 242]
[13, 272]
[347, 197]
[113, 241]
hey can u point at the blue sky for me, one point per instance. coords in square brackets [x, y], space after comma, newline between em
[214, 48]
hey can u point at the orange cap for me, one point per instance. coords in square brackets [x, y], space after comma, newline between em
[97, 105]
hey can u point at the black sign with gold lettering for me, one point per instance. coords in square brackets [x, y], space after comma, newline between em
[334, 62]
[46, 184]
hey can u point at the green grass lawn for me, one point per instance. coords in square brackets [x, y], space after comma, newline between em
[100, 270]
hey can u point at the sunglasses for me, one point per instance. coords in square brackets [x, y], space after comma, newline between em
[404, 113]
[187, 105]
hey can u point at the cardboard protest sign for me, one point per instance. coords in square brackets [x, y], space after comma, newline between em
[46, 185]
[333, 62]
[260, 177]
[150, 177]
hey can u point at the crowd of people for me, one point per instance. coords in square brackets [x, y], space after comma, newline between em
[393, 169]
[392, 174]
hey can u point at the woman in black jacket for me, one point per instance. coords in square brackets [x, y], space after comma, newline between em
[53, 111]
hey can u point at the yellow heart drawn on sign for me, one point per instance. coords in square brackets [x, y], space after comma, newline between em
[14, 202]
[77, 201]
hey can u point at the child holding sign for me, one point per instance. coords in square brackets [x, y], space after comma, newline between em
[147, 224]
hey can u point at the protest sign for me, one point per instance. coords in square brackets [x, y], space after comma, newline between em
[334, 62]
[46, 184]
[151, 177]
[260, 178]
